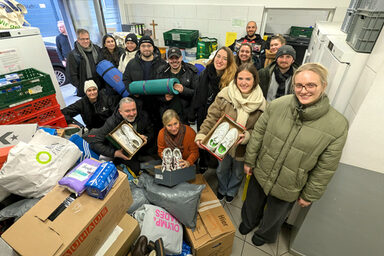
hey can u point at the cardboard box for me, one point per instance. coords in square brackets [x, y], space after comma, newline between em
[214, 233]
[112, 137]
[172, 178]
[12, 134]
[121, 239]
[79, 230]
[232, 124]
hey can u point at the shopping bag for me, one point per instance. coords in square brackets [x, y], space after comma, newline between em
[33, 169]
[12, 14]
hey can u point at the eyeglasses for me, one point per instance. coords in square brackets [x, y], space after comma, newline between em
[308, 87]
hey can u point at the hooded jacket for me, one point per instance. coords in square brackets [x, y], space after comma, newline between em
[295, 150]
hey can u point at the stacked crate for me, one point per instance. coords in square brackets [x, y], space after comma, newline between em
[30, 99]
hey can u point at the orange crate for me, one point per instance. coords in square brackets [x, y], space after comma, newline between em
[25, 110]
[41, 117]
[58, 122]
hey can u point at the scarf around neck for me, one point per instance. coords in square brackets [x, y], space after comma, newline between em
[281, 78]
[269, 58]
[244, 105]
[175, 141]
[95, 56]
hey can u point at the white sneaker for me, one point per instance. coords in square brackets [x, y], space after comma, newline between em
[134, 140]
[177, 156]
[123, 139]
[217, 136]
[227, 142]
[166, 164]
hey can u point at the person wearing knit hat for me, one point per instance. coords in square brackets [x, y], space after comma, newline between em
[131, 47]
[276, 79]
[94, 108]
[146, 39]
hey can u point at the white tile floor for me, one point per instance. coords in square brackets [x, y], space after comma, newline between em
[243, 245]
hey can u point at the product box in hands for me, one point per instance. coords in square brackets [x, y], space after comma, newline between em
[127, 138]
[214, 233]
[223, 136]
[80, 229]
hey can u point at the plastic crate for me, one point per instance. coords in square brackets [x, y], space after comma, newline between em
[58, 122]
[184, 38]
[347, 20]
[40, 117]
[34, 84]
[301, 32]
[364, 30]
[22, 111]
[371, 5]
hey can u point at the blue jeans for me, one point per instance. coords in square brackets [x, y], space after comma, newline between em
[230, 173]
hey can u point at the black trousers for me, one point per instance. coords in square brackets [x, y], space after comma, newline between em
[271, 219]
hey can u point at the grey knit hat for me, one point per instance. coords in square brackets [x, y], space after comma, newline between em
[286, 49]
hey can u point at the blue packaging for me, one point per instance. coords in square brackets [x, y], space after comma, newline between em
[102, 180]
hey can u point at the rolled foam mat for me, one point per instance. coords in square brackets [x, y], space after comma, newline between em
[154, 87]
[112, 76]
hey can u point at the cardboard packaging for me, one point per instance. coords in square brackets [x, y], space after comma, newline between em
[232, 124]
[12, 134]
[116, 142]
[121, 239]
[214, 233]
[78, 230]
[172, 178]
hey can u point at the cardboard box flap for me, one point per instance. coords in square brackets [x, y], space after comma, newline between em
[34, 235]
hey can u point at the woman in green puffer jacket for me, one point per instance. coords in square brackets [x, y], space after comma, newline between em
[293, 152]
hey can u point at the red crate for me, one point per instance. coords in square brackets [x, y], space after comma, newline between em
[58, 122]
[25, 110]
[41, 117]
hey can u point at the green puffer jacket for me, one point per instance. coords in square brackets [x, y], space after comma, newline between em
[295, 151]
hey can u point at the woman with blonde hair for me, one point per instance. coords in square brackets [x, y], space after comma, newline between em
[177, 135]
[219, 72]
[293, 152]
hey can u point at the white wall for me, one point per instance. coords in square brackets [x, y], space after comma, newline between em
[218, 17]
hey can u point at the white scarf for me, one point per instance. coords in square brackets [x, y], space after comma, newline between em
[244, 105]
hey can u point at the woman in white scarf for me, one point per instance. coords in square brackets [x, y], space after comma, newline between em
[242, 100]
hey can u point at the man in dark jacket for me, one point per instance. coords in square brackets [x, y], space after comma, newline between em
[94, 108]
[145, 66]
[62, 43]
[139, 121]
[258, 44]
[187, 75]
[276, 79]
[81, 62]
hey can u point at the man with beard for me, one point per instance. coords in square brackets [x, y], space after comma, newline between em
[187, 75]
[81, 62]
[139, 121]
[276, 79]
[255, 40]
[145, 66]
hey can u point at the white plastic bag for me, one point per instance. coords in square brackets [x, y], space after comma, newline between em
[33, 169]
[12, 14]
[155, 223]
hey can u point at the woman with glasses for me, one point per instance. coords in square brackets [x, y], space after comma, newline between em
[293, 152]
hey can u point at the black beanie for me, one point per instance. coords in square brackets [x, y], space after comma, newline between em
[146, 39]
[131, 37]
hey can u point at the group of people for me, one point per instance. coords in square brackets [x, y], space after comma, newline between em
[293, 138]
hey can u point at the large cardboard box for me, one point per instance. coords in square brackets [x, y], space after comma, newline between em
[12, 134]
[214, 233]
[78, 230]
[121, 239]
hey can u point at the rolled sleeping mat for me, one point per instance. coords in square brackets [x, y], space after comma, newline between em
[112, 76]
[154, 87]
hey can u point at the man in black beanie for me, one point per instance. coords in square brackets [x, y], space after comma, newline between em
[276, 79]
[145, 66]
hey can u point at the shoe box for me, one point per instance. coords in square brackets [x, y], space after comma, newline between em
[172, 178]
[79, 229]
[214, 233]
[12, 134]
[232, 124]
[116, 142]
[120, 241]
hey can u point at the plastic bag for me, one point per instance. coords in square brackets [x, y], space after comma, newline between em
[33, 169]
[155, 223]
[181, 200]
[16, 210]
[12, 14]
[138, 196]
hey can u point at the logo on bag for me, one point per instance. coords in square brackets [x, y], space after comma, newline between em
[43, 157]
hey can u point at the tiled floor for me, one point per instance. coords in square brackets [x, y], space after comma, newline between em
[243, 245]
